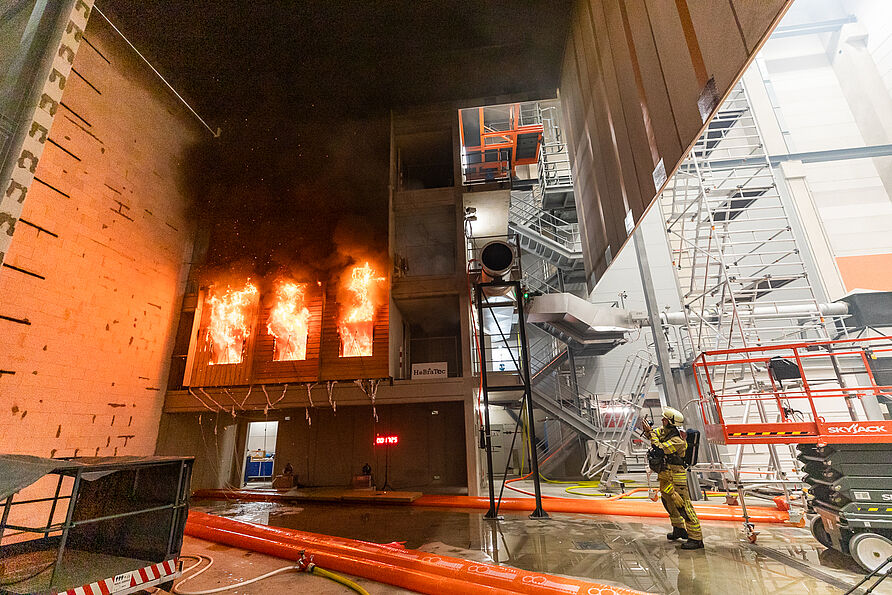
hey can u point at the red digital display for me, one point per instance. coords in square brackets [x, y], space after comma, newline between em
[386, 440]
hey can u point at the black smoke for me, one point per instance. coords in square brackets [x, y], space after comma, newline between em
[303, 93]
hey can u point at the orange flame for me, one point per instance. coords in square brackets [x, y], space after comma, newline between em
[230, 326]
[357, 324]
[288, 322]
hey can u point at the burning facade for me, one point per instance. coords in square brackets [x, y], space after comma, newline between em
[229, 325]
[356, 326]
[291, 330]
[289, 321]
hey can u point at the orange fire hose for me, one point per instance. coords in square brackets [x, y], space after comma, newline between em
[390, 564]
[645, 508]
[625, 494]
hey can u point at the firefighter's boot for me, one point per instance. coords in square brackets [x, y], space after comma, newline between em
[677, 533]
[692, 544]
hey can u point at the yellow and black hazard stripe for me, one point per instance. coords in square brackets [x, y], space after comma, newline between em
[875, 509]
[797, 433]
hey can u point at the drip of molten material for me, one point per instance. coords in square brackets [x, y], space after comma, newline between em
[358, 320]
[288, 322]
[229, 326]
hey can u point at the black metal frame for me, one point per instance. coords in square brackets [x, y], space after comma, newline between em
[179, 506]
[524, 369]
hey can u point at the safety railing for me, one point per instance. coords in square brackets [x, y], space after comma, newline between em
[480, 166]
[555, 387]
[536, 284]
[554, 167]
[524, 212]
[813, 392]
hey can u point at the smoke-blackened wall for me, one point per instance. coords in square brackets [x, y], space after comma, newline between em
[276, 203]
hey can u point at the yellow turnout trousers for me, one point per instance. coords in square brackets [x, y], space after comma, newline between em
[677, 501]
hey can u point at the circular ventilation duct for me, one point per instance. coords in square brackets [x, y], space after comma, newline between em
[497, 258]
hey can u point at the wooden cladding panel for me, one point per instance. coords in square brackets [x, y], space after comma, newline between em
[206, 374]
[323, 347]
[268, 371]
[632, 76]
[351, 368]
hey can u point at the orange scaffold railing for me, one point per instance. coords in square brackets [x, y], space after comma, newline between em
[809, 392]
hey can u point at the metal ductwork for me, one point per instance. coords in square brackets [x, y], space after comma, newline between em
[766, 312]
[497, 259]
[576, 321]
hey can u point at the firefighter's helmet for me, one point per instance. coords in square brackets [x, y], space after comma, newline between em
[674, 416]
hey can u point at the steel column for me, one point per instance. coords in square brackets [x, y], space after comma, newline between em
[67, 525]
[661, 345]
[487, 430]
[49, 521]
[538, 513]
[6, 508]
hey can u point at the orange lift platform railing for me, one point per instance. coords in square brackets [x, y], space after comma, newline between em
[823, 392]
[496, 139]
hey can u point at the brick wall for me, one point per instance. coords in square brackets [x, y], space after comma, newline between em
[94, 277]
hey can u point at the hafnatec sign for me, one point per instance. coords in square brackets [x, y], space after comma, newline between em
[433, 370]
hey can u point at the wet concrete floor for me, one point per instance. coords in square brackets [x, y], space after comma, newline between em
[627, 551]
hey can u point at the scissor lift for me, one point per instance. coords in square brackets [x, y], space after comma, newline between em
[496, 139]
[823, 396]
[822, 392]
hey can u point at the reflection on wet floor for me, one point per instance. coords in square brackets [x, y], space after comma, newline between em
[626, 551]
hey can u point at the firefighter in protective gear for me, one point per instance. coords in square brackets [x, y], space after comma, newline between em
[674, 480]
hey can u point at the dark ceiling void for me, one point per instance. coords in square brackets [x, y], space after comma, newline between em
[323, 58]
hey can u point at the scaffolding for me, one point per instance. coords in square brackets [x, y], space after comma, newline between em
[742, 278]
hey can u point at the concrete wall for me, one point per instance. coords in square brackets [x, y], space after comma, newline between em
[216, 440]
[328, 452]
[88, 311]
[639, 79]
[425, 236]
[831, 91]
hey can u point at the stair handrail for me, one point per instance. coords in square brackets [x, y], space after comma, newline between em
[536, 283]
[529, 215]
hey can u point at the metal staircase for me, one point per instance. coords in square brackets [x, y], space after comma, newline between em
[615, 450]
[555, 185]
[543, 234]
[553, 390]
[606, 422]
